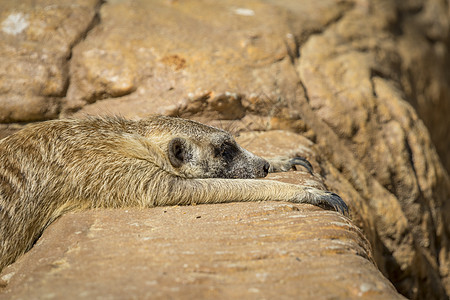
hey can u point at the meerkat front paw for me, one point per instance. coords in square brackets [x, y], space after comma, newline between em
[283, 164]
[325, 199]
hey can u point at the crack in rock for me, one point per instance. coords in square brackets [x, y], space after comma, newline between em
[95, 21]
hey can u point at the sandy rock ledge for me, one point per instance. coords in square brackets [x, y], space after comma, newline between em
[227, 251]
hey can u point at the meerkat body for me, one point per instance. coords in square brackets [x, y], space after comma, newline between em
[58, 166]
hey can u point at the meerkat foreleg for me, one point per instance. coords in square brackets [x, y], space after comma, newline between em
[203, 191]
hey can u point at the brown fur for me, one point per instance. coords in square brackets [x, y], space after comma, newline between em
[51, 168]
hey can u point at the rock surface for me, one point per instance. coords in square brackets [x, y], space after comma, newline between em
[355, 77]
[237, 250]
[37, 39]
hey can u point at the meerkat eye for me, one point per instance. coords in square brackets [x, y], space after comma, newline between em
[228, 151]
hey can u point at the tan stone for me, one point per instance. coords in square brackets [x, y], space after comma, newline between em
[349, 75]
[237, 250]
[218, 49]
[423, 45]
[37, 37]
[386, 135]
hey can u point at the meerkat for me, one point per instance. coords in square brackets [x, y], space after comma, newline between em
[54, 167]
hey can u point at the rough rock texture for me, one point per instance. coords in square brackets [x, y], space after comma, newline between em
[37, 39]
[225, 251]
[423, 37]
[356, 77]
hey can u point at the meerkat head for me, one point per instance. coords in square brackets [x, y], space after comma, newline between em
[218, 158]
[208, 152]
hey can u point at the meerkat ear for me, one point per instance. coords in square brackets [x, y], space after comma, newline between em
[177, 152]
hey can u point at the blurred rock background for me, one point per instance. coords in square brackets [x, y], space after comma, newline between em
[365, 81]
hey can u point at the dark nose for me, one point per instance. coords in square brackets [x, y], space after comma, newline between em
[266, 168]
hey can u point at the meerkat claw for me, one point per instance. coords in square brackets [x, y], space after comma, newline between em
[283, 164]
[335, 202]
[301, 161]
